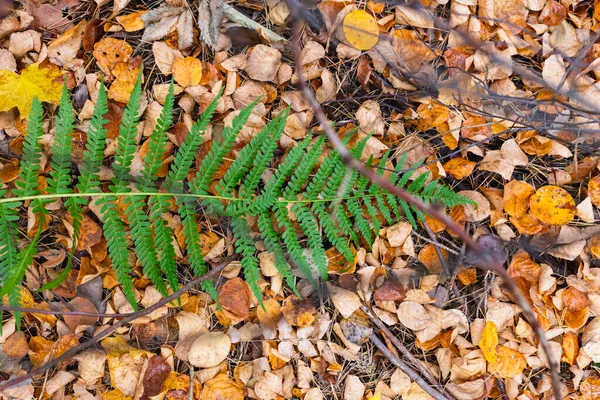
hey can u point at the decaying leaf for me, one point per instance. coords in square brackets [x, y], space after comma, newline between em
[209, 349]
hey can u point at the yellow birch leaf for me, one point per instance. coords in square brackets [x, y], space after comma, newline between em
[187, 71]
[360, 29]
[489, 342]
[34, 81]
[552, 205]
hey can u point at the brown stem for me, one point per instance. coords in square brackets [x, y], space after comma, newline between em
[488, 260]
[72, 352]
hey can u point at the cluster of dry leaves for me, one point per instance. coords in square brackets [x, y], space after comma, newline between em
[533, 185]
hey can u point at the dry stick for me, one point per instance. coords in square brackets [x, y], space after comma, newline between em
[488, 261]
[52, 312]
[433, 392]
[409, 356]
[72, 352]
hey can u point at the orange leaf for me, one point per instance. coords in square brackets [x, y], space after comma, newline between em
[516, 198]
[109, 52]
[187, 71]
[132, 22]
[509, 363]
[428, 256]
[467, 276]
[459, 167]
[234, 297]
[575, 299]
[570, 346]
[594, 190]
[222, 387]
[522, 265]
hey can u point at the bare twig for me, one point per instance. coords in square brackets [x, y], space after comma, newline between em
[75, 350]
[433, 392]
[489, 262]
[409, 356]
[235, 16]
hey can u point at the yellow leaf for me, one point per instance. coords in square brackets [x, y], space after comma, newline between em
[516, 198]
[221, 388]
[34, 81]
[509, 363]
[489, 342]
[552, 205]
[361, 29]
[187, 71]
[132, 22]
[376, 396]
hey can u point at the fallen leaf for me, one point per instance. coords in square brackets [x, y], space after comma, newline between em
[34, 81]
[263, 63]
[187, 71]
[90, 365]
[459, 167]
[428, 256]
[234, 297]
[594, 190]
[16, 346]
[570, 346]
[132, 22]
[360, 29]
[110, 51]
[345, 301]
[271, 314]
[81, 304]
[209, 350]
[467, 276]
[222, 387]
[125, 364]
[509, 363]
[156, 373]
[516, 198]
[354, 389]
[480, 211]
[300, 313]
[552, 205]
[63, 50]
[489, 342]
[413, 315]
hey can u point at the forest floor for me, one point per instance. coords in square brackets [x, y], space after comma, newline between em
[497, 99]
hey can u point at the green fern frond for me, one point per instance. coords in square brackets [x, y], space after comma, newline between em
[60, 175]
[245, 246]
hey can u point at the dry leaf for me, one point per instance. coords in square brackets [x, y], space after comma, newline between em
[110, 51]
[345, 301]
[187, 71]
[516, 198]
[459, 167]
[552, 205]
[18, 90]
[479, 212]
[165, 56]
[594, 190]
[90, 365]
[209, 350]
[222, 388]
[234, 297]
[489, 342]
[428, 256]
[132, 22]
[509, 363]
[270, 315]
[263, 63]
[413, 315]
[361, 30]
[63, 50]
[16, 346]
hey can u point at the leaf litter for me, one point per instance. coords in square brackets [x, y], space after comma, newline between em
[535, 181]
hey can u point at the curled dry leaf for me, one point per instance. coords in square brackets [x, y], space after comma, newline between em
[109, 52]
[361, 30]
[209, 350]
[300, 313]
[479, 212]
[75, 321]
[552, 205]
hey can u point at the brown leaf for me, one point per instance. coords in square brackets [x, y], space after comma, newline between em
[110, 51]
[81, 304]
[428, 256]
[390, 290]
[574, 299]
[522, 265]
[271, 315]
[16, 346]
[570, 346]
[156, 373]
[300, 313]
[234, 297]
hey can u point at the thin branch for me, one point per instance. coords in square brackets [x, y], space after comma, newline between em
[488, 261]
[75, 350]
[433, 392]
